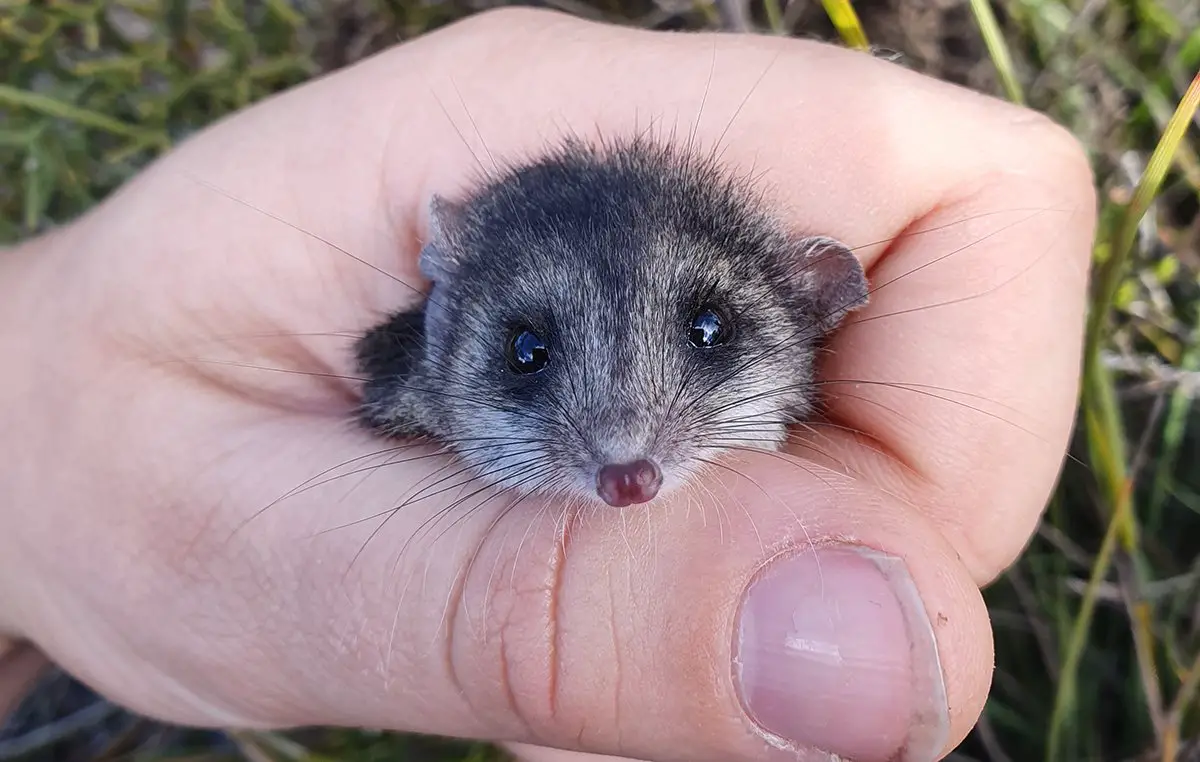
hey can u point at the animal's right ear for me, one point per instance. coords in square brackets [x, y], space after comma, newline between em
[833, 277]
[439, 257]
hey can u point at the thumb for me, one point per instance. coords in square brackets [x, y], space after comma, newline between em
[726, 625]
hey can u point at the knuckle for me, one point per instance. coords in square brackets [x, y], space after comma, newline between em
[1057, 152]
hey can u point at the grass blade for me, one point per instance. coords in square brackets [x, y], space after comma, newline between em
[845, 20]
[13, 96]
[997, 48]
[1113, 268]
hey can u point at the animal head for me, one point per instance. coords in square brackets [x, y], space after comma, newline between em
[606, 321]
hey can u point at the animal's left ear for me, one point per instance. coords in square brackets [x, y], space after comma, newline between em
[832, 278]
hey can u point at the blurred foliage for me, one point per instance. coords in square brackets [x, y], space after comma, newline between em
[1097, 627]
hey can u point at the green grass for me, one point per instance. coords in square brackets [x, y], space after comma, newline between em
[1098, 626]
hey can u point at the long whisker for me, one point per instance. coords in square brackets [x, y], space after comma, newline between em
[479, 468]
[739, 445]
[718, 151]
[915, 388]
[442, 512]
[769, 427]
[749, 516]
[470, 401]
[457, 130]
[439, 452]
[301, 230]
[797, 462]
[303, 485]
[427, 525]
[960, 221]
[293, 371]
[475, 475]
[811, 331]
[474, 126]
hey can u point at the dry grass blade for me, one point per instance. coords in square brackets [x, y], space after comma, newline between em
[289, 749]
[250, 748]
[1183, 700]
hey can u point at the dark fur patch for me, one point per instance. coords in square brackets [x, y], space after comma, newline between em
[388, 356]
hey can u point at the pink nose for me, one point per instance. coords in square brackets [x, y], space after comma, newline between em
[624, 484]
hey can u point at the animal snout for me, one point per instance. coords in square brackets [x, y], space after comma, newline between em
[622, 484]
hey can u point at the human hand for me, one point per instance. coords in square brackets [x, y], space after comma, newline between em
[145, 438]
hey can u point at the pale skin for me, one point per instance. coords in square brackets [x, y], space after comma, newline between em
[139, 451]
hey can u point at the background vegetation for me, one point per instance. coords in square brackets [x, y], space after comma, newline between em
[1098, 627]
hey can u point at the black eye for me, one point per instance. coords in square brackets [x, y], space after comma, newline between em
[709, 328]
[526, 352]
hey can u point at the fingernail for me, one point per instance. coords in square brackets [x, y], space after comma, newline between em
[834, 651]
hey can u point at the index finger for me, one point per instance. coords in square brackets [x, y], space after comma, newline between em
[973, 218]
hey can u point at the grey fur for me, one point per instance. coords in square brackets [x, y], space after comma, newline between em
[607, 251]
